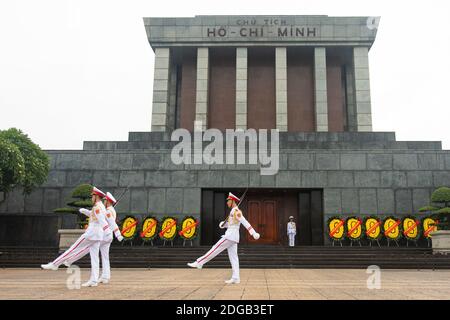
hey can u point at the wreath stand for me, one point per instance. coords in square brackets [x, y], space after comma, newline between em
[184, 242]
[332, 243]
[171, 242]
[146, 241]
[377, 241]
[414, 241]
[130, 241]
[351, 242]
[389, 241]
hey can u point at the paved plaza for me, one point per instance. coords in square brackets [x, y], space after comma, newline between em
[207, 284]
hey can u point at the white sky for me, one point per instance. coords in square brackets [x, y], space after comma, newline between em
[63, 60]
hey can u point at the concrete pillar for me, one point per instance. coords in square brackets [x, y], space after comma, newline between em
[201, 102]
[362, 88]
[172, 113]
[160, 105]
[320, 88]
[350, 94]
[241, 88]
[281, 88]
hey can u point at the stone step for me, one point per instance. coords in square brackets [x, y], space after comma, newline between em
[249, 256]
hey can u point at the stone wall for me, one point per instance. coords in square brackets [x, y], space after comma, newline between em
[204, 30]
[360, 173]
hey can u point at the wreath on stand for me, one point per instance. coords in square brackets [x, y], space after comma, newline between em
[168, 228]
[428, 226]
[412, 228]
[355, 228]
[336, 228]
[373, 228]
[128, 228]
[189, 228]
[392, 229]
[149, 228]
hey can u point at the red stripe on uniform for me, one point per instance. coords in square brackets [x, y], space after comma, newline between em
[65, 255]
[79, 253]
[213, 250]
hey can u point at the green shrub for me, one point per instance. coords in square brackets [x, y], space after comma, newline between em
[12, 166]
[36, 163]
[80, 198]
[440, 207]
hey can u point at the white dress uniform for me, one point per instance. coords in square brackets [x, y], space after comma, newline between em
[106, 243]
[229, 241]
[291, 232]
[89, 241]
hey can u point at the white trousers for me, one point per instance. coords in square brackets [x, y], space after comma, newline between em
[221, 245]
[95, 262]
[78, 250]
[104, 252]
[291, 239]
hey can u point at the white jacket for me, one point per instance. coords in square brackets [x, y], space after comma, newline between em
[233, 224]
[291, 228]
[111, 218]
[98, 228]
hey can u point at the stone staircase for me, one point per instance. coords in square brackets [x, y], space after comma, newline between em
[249, 256]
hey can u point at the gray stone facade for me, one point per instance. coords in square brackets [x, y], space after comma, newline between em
[360, 174]
[168, 37]
[268, 30]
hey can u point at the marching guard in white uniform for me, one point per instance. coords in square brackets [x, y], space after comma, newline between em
[111, 215]
[230, 240]
[97, 230]
[291, 231]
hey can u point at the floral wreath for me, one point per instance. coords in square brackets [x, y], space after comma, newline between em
[150, 226]
[189, 228]
[428, 225]
[168, 229]
[392, 228]
[129, 226]
[336, 228]
[412, 228]
[355, 228]
[373, 232]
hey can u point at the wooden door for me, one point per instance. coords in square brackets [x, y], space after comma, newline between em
[262, 215]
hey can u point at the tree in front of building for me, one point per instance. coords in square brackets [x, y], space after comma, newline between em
[440, 207]
[22, 162]
[12, 166]
[79, 198]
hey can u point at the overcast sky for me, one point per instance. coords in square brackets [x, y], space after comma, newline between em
[64, 61]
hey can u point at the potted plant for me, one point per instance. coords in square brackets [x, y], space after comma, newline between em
[440, 209]
[80, 198]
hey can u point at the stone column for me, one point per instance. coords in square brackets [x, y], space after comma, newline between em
[281, 88]
[160, 106]
[362, 88]
[320, 88]
[351, 108]
[241, 88]
[201, 102]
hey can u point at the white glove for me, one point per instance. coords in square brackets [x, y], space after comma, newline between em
[120, 238]
[256, 236]
[84, 211]
[221, 225]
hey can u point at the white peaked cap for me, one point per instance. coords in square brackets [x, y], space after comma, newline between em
[98, 192]
[110, 197]
[232, 197]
